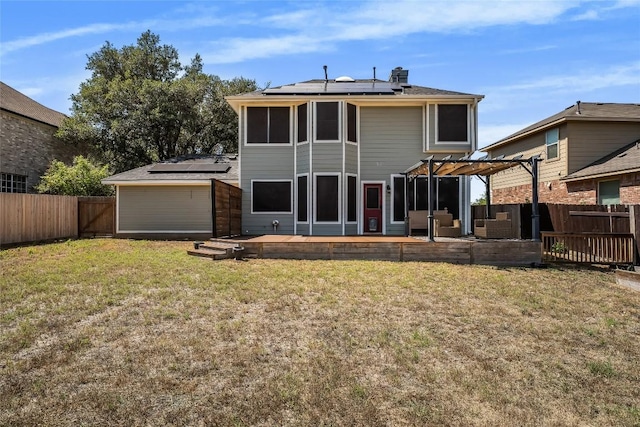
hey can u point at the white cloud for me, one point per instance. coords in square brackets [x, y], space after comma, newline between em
[242, 49]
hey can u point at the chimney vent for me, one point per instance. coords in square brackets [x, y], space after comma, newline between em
[398, 75]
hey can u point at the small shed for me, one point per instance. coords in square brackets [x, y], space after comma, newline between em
[191, 197]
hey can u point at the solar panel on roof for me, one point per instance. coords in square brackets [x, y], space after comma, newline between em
[190, 168]
[335, 88]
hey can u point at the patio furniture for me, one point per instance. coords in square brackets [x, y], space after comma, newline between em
[445, 225]
[498, 228]
[419, 219]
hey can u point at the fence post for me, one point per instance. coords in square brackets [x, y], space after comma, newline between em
[634, 228]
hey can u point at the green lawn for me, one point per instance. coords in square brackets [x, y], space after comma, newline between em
[116, 332]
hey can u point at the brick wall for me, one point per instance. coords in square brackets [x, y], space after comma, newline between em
[27, 147]
[568, 193]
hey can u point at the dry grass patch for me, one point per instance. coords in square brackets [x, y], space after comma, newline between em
[103, 332]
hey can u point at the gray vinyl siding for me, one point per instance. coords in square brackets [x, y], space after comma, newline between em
[302, 158]
[265, 163]
[164, 208]
[327, 157]
[391, 142]
[351, 158]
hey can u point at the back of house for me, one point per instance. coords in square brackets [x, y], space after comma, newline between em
[326, 156]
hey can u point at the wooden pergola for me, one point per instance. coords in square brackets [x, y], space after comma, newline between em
[483, 168]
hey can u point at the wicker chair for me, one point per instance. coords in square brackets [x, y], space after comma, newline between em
[499, 228]
[445, 225]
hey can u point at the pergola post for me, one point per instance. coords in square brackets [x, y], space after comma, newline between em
[430, 199]
[535, 213]
[407, 226]
[487, 184]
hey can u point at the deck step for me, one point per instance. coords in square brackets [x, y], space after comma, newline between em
[208, 253]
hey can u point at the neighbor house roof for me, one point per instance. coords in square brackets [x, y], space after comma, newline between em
[184, 170]
[368, 88]
[624, 160]
[17, 103]
[581, 111]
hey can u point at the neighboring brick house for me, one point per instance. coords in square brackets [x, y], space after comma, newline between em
[326, 157]
[27, 141]
[590, 156]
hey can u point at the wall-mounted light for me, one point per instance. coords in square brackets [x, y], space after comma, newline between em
[388, 189]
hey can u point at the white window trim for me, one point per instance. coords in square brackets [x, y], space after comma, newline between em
[315, 123]
[315, 195]
[393, 191]
[268, 144]
[557, 144]
[439, 142]
[346, 126]
[290, 181]
[308, 197]
[346, 203]
[384, 205]
[295, 131]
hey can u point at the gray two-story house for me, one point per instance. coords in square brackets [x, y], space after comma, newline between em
[325, 157]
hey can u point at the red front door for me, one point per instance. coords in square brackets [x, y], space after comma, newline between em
[373, 208]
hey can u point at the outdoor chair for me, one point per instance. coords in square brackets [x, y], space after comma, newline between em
[419, 219]
[499, 228]
[445, 225]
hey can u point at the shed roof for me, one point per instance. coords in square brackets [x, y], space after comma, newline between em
[624, 160]
[581, 111]
[195, 169]
[18, 103]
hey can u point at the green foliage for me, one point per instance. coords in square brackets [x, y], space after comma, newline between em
[81, 179]
[141, 105]
[481, 200]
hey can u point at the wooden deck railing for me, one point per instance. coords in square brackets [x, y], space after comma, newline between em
[600, 248]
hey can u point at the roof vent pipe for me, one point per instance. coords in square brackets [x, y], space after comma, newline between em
[326, 76]
[374, 73]
[578, 110]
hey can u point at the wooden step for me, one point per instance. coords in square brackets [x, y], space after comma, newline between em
[209, 253]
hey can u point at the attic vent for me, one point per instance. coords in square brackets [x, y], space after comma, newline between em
[345, 79]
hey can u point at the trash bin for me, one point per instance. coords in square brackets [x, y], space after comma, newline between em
[373, 223]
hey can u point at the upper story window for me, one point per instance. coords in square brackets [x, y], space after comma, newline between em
[551, 139]
[268, 125]
[12, 183]
[327, 123]
[303, 134]
[452, 123]
[352, 123]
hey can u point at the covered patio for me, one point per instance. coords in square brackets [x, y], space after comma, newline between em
[483, 168]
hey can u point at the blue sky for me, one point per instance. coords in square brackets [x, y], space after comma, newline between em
[530, 59]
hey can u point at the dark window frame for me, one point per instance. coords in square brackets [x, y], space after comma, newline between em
[269, 132]
[302, 133]
[302, 199]
[271, 211]
[320, 122]
[352, 123]
[13, 183]
[448, 129]
[352, 199]
[398, 198]
[320, 217]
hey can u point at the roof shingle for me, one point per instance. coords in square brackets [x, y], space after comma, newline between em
[18, 103]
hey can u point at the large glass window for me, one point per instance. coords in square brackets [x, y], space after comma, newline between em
[452, 123]
[447, 195]
[327, 121]
[302, 123]
[352, 201]
[303, 203]
[327, 198]
[551, 139]
[13, 183]
[609, 192]
[352, 122]
[268, 125]
[271, 196]
[399, 194]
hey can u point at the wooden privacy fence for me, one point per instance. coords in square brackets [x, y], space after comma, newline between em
[37, 217]
[227, 209]
[592, 248]
[28, 218]
[96, 216]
